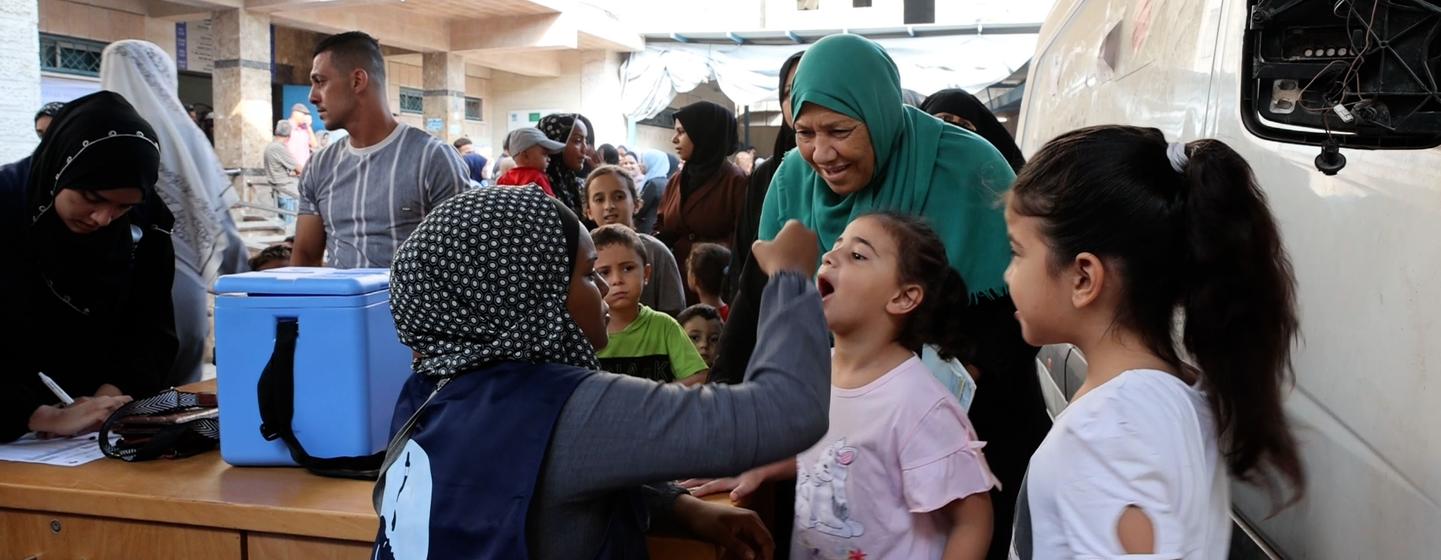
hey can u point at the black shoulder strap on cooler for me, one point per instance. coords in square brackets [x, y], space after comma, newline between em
[276, 396]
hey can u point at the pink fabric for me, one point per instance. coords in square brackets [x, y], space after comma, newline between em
[299, 145]
[898, 449]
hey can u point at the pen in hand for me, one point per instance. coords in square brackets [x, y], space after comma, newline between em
[55, 388]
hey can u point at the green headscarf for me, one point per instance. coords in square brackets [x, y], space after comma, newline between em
[925, 167]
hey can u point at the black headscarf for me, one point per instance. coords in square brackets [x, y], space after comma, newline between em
[96, 307]
[712, 131]
[586, 166]
[563, 180]
[745, 281]
[97, 142]
[485, 279]
[786, 139]
[959, 103]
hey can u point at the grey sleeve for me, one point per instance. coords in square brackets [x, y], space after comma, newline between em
[618, 431]
[670, 291]
[445, 176]
[309, 198]
[282, 156]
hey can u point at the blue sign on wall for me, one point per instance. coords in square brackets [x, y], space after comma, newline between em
[292, 94]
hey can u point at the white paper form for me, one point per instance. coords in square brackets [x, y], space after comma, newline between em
[61, 452]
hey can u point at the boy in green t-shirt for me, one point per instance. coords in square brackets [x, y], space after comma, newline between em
[643, 342]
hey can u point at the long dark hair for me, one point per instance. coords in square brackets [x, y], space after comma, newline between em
[1202, 240]
[786, 138]
[942, 318]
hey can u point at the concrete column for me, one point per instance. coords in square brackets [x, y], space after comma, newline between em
[20, 82]
[242, 89]
[599, 89]
[444, 82]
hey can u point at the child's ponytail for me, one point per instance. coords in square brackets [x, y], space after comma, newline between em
[948, 326]
[1240, 309]
[1189, 229]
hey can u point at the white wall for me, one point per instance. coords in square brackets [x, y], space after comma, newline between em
[600, 94]
[20, 83]
[653, 138]
[589, 83]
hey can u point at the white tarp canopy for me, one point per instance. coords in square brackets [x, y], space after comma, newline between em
[747, 74]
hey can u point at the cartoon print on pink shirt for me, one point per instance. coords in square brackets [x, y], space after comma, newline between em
[821, 502]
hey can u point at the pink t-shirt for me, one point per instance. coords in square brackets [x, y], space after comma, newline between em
[898, 449]
[299, 144]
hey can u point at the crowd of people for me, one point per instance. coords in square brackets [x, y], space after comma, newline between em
[851, 323]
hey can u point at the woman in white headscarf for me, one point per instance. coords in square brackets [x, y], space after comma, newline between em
[193, 185]
[657, 172]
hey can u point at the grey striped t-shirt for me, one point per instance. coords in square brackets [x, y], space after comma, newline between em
[371, 199]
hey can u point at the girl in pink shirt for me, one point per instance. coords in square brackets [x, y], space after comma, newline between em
[900, 473]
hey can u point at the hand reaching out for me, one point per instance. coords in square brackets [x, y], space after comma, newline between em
[795, 249]
[740, 487]
[739, 532]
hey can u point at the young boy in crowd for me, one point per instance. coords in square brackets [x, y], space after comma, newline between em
[706, 274]
[613, 199]
[532, 151]
[274, 256]
[643, 342]
[703, 324]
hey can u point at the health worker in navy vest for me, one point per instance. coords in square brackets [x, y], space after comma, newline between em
[90, 291]
[521, 448]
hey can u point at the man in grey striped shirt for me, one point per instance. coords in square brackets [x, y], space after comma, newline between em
[360, 198]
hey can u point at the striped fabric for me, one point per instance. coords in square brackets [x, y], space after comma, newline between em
[371, 199]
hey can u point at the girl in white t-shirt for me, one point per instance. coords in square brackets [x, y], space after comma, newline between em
[900, 474]
[1112, 232]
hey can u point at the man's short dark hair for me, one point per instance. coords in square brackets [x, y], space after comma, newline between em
[355, 49]
[462, 142]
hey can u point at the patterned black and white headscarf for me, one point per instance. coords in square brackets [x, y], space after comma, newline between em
[563, 180]
[485, 279]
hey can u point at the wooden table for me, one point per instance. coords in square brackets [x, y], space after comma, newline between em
[197, 507]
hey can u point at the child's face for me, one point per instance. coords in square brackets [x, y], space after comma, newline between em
[534, 157]
[610, 201]
[624, 274]
[1042, 301]
[859, 278]
[705, 335]
[586, 300]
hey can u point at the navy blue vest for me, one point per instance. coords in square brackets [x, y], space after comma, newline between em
[463, 483]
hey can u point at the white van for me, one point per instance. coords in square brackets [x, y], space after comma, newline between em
[1266, 77]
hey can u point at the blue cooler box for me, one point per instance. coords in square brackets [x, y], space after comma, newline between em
[349, 363]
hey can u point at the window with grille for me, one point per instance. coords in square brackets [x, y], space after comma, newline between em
[473, 109]
[68, 55]
[412, 101]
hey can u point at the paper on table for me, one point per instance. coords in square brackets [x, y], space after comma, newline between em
[64, 452]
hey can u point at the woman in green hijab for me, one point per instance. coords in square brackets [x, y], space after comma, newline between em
[862, 151]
